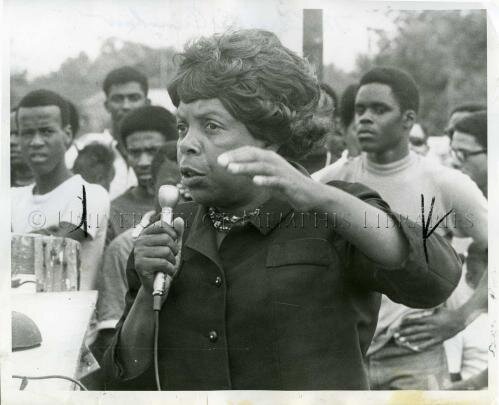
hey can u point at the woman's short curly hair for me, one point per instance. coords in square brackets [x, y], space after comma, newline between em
[261, 83]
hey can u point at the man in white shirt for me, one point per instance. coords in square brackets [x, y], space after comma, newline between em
[467, 352]
[58, 203]
[126, 89]
[386, 107]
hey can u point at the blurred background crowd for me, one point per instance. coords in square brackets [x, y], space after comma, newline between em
[124, 139]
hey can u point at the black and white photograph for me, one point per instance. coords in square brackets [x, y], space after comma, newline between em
[265, 202]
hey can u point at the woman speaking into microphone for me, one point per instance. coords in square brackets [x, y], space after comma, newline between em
[276, 278]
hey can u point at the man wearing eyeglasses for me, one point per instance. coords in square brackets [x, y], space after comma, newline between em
[469, 148]
[407, 349]
[458, 113]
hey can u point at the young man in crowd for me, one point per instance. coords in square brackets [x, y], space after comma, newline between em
[143, 131]
[125, 89]
[386, 108]
[469, 152]
[20, 172]
[54, 204]
[267, 293]
[112, 277]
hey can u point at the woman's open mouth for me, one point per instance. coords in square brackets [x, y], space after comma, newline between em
[191, 176]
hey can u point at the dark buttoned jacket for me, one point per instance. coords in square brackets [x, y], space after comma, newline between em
[285, 302]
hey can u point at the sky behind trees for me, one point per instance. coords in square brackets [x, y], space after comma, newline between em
[45, 33]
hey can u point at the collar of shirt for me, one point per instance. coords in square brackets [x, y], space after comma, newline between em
[201, 235]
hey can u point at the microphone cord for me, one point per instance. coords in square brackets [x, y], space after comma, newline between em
[156, 362]
[157, 303]
[168, 197]
[25, 379]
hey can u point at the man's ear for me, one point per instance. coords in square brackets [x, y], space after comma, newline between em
[409, 119]
[123, 149]
[106, 106]
[68, 139]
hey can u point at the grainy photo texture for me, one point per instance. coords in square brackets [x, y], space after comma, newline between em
[247, 197]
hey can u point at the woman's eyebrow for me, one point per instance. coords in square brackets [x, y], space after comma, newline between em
[212, 113]
[208, 111]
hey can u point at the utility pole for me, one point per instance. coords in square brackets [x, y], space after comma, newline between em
[313, 39]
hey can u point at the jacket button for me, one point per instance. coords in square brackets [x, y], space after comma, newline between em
[213, 336]
[218, 281]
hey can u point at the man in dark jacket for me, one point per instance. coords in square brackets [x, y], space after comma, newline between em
[277, 278]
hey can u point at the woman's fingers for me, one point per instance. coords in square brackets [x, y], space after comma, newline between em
[251, 168]
[159, 227]
[243, 155]
[147, 267]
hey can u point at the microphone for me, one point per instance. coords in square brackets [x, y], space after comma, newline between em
[168, 197]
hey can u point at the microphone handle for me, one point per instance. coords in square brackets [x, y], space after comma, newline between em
[162, 281]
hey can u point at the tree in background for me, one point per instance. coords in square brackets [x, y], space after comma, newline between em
[337, 78]
[445, 51]
[18, 85]
[80, 79]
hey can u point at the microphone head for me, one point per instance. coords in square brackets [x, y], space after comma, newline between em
[168, 196]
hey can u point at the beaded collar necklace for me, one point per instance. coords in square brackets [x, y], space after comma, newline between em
[224, 222]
